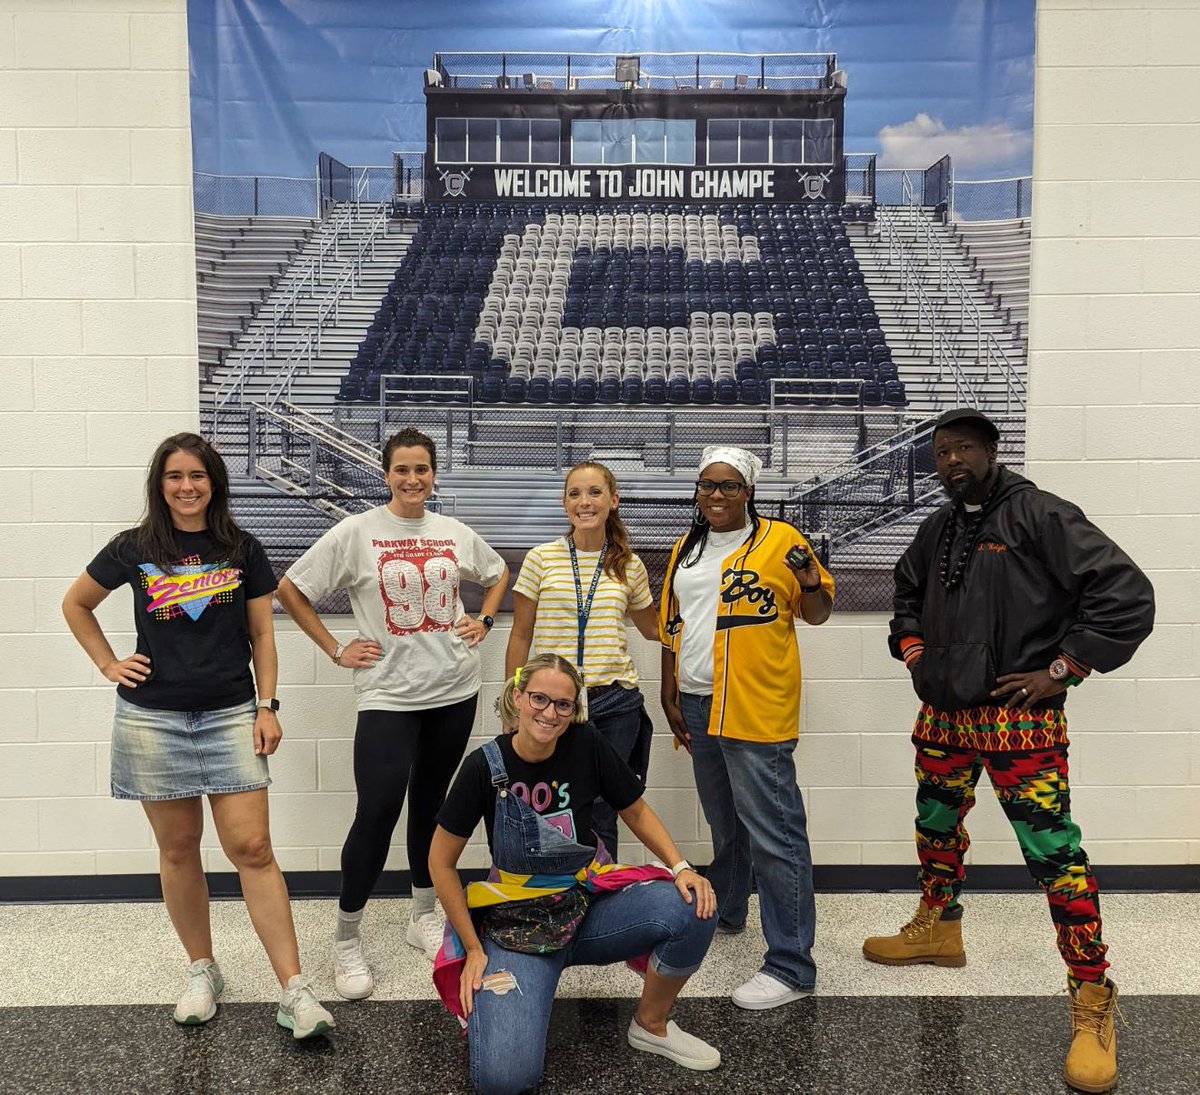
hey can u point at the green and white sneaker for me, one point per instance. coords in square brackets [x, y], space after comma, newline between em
[198, 1003]
[301, 1012]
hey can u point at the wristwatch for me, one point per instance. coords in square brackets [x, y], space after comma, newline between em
[487, 622]
[1059, 670]
[270, 704]
[680, 867]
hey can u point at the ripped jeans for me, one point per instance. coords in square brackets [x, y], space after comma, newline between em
[507, 1030]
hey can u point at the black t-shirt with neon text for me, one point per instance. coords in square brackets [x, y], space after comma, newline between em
[191, 620]
[583, 768]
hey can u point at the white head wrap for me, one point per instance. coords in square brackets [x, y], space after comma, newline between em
[746, 462]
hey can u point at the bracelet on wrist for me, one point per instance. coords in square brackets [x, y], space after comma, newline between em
[337, 654]
[680, 867]
[811, 589]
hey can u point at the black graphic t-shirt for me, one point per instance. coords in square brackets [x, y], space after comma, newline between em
[584, 767]
[191, 622]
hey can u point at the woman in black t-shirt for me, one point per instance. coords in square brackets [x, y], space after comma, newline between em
[562, 902]
[187, 723]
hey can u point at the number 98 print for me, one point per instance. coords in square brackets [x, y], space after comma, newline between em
[420, 591]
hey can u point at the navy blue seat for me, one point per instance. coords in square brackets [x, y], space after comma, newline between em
[679, 391]
[514, 389]
[491, 390]
[562, 390]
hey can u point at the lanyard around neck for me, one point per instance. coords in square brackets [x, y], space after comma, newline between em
[584, 607]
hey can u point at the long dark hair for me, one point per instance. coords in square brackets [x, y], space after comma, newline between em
[155, 539]
[619, 551]
[694, 542]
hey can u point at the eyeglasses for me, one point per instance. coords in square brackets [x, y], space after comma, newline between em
[729, 487]
[539, 701]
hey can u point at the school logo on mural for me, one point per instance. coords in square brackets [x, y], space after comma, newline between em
[813, 183]
[455, 182]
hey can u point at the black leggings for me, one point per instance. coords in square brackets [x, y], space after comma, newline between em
[392, 749]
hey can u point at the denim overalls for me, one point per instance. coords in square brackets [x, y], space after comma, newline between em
[522, 841]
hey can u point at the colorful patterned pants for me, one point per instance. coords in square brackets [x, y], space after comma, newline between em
[1025, 756]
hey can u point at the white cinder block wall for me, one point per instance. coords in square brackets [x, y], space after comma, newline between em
[97, 363]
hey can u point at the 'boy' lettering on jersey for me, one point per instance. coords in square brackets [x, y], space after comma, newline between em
[743, 585]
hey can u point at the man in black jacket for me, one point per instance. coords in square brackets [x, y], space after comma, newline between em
[1007, 597]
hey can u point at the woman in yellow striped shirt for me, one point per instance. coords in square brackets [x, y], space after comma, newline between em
[572, 598]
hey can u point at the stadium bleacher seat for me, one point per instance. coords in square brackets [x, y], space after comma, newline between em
[628, 303]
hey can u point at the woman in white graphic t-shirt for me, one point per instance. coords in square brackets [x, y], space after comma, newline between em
[416, 677]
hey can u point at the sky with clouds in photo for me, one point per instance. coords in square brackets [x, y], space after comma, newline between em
[275, 82]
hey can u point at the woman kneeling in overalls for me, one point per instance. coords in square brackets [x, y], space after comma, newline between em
[554, 899]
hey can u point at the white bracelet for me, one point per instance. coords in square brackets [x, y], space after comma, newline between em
[680, 867]
[337, 654]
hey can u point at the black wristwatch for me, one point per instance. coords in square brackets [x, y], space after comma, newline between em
[487, 622]
[272, 704]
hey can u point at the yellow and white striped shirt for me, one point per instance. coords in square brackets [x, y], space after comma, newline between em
[546, 579]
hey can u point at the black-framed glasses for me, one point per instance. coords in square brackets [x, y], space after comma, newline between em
[539, 701]
[728, 487]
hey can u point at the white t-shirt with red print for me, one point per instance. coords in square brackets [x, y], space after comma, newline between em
[403, 578]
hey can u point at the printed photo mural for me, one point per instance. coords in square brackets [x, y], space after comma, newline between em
[546, 233]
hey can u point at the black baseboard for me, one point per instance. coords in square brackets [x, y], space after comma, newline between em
[1181, 878]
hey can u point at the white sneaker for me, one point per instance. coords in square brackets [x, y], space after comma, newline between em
[301, 1012]
[198, 1003]
[351, 974]
[763, 991]
[679, 1046]
[425, 933]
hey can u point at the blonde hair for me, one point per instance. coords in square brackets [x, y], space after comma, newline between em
[619, 551]
[520, 682]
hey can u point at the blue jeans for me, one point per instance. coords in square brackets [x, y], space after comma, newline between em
[618, 716]
[756, 813]
[507, 1033]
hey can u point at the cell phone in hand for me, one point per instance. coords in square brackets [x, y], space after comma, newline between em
[798, 558]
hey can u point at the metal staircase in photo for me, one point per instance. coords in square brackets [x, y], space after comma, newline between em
[239, 262]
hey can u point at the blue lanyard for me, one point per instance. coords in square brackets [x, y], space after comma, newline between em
[584, 607]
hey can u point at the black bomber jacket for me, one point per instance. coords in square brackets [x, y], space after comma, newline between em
[1042, 580]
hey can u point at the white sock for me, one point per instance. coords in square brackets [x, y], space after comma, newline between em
[349, 925]
[423, 898]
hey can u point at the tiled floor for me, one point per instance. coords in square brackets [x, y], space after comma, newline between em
[83, 989]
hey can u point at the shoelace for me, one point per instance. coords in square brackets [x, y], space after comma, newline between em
[1089, 1018]
[200, 983]
[351, 961]
[921, 924]
[303, 995]
[431, 927]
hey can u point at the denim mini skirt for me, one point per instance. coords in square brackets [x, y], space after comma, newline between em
[182, 754]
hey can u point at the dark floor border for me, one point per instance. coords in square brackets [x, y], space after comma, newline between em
[1179, 878]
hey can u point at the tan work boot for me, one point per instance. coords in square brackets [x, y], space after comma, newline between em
[925, 938]
[1092, 1058]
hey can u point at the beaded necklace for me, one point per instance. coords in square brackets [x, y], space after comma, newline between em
[952, 575]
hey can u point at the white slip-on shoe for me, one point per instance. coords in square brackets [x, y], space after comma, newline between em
[351, 974]
[425, 933]
[198, 1003]
[301, 1012]
[763, 991]
[679, 1046]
